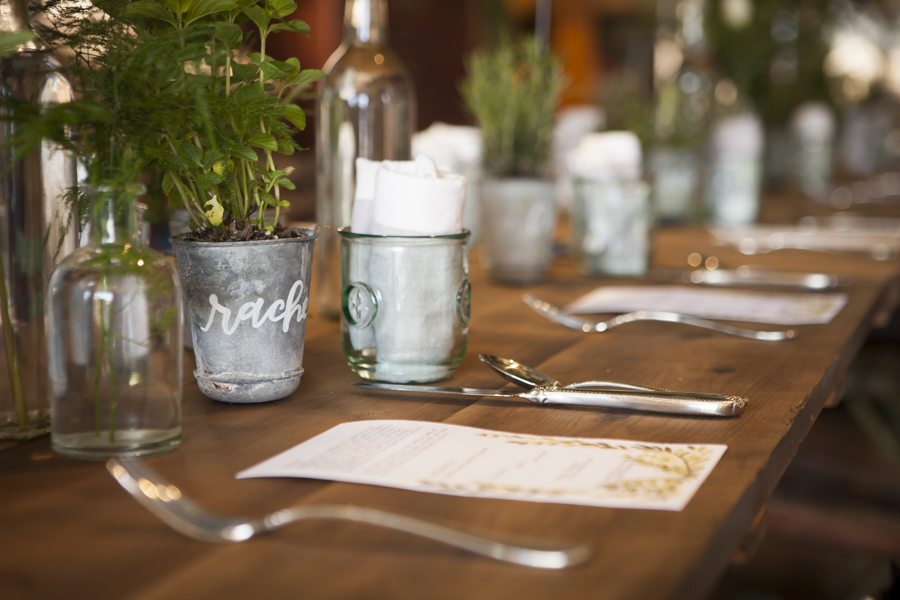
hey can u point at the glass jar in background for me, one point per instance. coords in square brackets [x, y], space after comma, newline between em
[366, 108]
[611, 214]
[405, 305]
[611, 224]
[38, 229]
[114, 325]
[735, 171]
[812, 130]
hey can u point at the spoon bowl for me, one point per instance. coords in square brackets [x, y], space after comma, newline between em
[528, 377]
[518, 373]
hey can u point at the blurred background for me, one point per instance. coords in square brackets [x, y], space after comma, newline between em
[819, 81]
[806, 68]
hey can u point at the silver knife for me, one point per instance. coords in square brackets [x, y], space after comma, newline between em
[681, 403]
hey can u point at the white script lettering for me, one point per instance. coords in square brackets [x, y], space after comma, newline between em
[253, 311]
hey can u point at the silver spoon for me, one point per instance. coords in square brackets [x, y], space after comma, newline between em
[528, 377]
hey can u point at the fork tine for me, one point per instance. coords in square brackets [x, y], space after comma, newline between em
[167, 502]
[547, 310]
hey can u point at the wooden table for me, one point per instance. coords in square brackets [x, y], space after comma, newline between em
[67, 530]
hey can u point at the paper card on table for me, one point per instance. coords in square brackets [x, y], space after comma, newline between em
[882, 242]
[465, 461]
[726, 305]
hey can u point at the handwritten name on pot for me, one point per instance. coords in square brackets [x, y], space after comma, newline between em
[253, 311]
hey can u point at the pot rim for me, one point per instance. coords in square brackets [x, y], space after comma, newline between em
[177, 240]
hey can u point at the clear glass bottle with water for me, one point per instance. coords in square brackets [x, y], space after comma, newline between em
[114, 325]
[367, 108]
[37, 228]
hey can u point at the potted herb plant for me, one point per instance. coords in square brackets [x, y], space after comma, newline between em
[182, 100]
[514, 92]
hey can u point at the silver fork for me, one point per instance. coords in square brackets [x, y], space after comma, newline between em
[555, 314]
[189, 518]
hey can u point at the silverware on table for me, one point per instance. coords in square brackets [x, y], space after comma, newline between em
[712, 405]
[747, 276]
[528, 377]
[187, 517]
[554, 313]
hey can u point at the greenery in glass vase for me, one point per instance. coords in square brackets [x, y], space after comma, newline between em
[514, 92]
[165, 89]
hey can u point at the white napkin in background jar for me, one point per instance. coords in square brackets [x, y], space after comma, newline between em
[455, 148]
[606, 156]
[417, 286]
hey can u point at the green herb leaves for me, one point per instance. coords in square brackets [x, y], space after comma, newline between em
[167, 90]
[514, 92]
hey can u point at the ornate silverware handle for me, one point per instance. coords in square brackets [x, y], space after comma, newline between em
[714, 405]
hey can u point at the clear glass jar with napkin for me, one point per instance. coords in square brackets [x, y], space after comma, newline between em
[611, 205]
[404, 273]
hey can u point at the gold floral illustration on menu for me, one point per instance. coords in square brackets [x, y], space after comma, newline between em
[675, 467]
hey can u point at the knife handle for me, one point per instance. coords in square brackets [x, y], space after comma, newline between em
[679, 403]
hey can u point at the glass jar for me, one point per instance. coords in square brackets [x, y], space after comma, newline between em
[366, 108]
[405, 305]
[114, 319]
[611, 227]
[37, 230]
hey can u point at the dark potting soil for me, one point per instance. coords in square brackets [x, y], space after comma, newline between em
[247, 234]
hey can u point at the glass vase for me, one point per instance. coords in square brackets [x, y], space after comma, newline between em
[366, 108]
[37, 230]
[114, 320]
[611, 223]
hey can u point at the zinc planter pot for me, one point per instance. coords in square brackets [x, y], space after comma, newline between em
[246, 306]
[518, 218]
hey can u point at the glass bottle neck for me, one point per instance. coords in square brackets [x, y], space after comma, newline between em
[683, 21]
[366, 22]
[113, 215]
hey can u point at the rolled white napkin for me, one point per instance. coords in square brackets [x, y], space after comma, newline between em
[607, 156]
[364, 197]
[407, 198]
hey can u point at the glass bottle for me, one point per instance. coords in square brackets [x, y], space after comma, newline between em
[114, 321]
[366, 108]
[683, 80]
[37, 230]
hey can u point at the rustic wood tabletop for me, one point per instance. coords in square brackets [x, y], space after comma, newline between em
[67, 530]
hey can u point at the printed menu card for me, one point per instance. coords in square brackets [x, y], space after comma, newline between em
[465, 461]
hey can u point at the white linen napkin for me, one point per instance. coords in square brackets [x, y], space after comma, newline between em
[607, 156]
[449, 146]
[407, 198]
